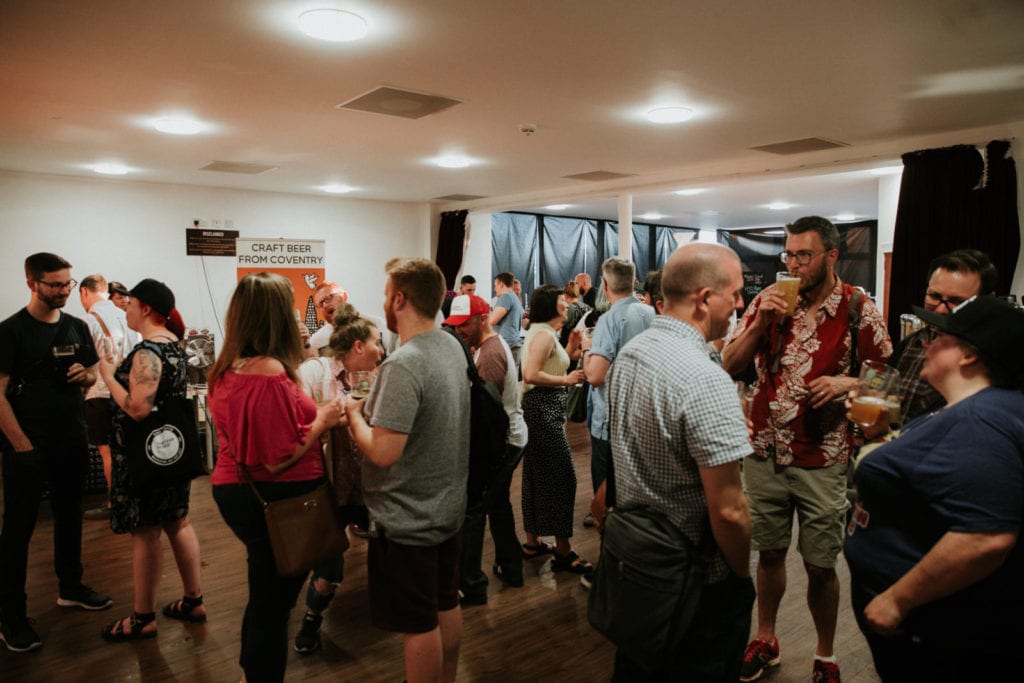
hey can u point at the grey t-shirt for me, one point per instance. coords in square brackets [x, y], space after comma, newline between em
[510, 326]
[422, 391]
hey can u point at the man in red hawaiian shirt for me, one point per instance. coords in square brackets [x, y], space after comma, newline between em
[802, 440]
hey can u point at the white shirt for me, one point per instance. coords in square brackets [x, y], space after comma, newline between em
[123, 338]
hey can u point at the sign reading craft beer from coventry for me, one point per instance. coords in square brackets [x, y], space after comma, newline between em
[300, 261]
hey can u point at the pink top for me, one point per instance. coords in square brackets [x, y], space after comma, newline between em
[261, 419]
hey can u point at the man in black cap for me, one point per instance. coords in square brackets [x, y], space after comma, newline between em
[46, 358]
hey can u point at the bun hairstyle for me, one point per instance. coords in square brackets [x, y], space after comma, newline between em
[349, 327]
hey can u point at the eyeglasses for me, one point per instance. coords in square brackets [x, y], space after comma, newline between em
[70, 284]
[939, 300]
[802, 257]
[326, 299]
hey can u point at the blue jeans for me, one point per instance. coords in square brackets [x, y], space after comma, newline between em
[271, 596]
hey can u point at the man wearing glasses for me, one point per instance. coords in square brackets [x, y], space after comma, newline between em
[46, 358]
[327, 297]
[802, 440]
[953, 278]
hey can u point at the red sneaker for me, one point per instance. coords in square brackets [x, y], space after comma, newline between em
[759, 656]
[825, 672]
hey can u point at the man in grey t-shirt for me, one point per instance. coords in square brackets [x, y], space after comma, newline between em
[507, 314]
[416, 461]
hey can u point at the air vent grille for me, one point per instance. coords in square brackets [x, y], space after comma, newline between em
[595, 176]
[459, 197]
[398, 102]
[801, 146]
[237, 167]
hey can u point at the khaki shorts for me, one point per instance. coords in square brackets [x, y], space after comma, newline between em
[817, 495]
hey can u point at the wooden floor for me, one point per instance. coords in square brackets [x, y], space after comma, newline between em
[537, 632]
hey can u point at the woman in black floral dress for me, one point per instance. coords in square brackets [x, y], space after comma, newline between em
[154, 370]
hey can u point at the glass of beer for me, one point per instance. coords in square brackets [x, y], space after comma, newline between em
[876, 384]
[789, 286]
[361, 381]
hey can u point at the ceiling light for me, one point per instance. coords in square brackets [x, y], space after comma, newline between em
[178, 126]
[111, 169]
[453, 161]
[669, 115]
[334, 25]
[651, 216]
[336, 188]
[690, 191]
[886, 170]
[844, 217]
[557, 207]
[779, 206]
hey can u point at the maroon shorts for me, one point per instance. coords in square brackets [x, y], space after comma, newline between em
[409, 585]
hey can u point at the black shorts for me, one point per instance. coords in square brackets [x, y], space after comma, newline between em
[98, 413]
[409, 585]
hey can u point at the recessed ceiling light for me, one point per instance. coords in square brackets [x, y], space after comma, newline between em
[779, 206]
[111, 169]
[669, 115]
[689, 192]
[651, 216]
[453, 161]
[336, 188]
[178, 126]
[886, 170]
[557, 207]
[334, 25]
[845, 217]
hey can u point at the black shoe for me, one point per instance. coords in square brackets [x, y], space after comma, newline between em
[308, 638]
[587, 580]
[18, 635]
[472, 599]
[507, 578]
[85, 597]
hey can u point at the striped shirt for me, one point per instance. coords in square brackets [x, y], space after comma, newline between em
[672, 411]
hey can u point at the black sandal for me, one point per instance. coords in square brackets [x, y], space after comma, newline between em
[571, 563]
[182, 609]
[539, 550]
[115, 633]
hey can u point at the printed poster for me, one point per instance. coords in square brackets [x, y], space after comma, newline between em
[300, 261]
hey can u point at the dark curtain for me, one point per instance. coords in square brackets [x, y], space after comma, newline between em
[451, 243]
[759, 251]
[947, 202]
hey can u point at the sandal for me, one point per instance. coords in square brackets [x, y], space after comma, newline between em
[182, 609]
[115, 633]
[571, 563]
[539, 550]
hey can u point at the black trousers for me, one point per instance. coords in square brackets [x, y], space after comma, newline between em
[63, 463]
[497, 508]
[264, 654]
[712, 649]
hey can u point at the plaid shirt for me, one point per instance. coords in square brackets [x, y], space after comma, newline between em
[919, 397]
[671, 412]
[793, 354]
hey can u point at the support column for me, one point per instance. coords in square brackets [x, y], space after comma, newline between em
[626, 227]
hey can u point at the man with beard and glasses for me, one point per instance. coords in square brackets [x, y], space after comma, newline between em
[802, 440]
[953, 278]
[47, 357]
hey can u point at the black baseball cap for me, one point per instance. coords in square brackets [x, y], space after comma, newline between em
[993, 326]
[154, 294]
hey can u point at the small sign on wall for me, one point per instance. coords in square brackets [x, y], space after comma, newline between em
[203, 242]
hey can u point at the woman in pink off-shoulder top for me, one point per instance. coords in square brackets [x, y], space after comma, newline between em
[268, 425]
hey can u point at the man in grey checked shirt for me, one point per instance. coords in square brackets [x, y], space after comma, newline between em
[678, 436]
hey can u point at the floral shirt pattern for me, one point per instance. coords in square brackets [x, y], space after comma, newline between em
[795, 352]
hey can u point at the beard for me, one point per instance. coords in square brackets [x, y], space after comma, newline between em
[813, 278]
[53, 301]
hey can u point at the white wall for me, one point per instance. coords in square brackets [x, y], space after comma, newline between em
[477, 259]
[131, 230]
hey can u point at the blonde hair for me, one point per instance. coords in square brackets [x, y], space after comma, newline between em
[349, 327]
[260, 322]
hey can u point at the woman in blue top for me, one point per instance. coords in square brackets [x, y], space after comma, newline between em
[932, 543]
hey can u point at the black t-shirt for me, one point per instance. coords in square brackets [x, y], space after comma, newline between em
[36, 356]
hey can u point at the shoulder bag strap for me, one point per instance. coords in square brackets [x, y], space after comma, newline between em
[103, 325]
[471, 371]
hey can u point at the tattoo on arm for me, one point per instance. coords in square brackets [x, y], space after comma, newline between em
[146, 368]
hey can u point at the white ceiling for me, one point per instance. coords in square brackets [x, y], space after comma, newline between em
[80, 79]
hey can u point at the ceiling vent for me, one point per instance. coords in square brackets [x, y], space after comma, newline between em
[801, 146]
[596, 176]
[237, 167]
[459, 197]
[397, 102]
